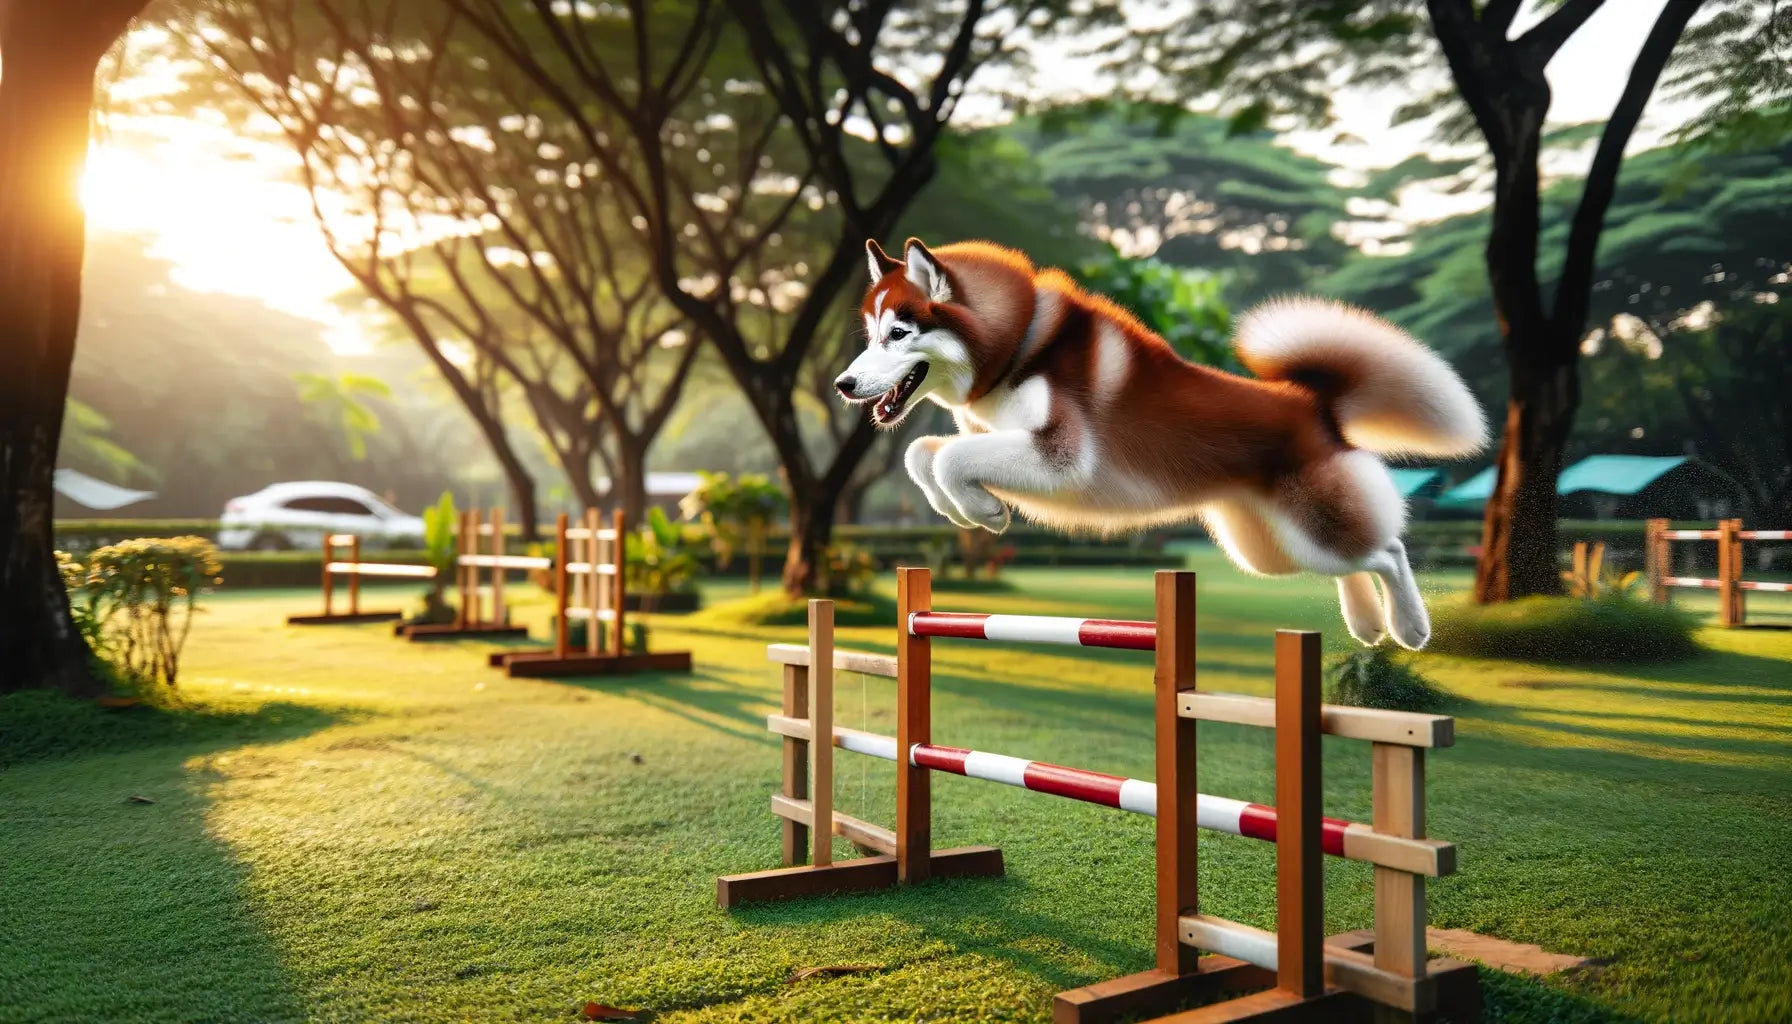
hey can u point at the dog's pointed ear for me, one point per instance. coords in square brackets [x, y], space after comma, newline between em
[926, 272]
[879, 261]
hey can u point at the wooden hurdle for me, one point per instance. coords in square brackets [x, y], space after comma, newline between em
[354, 569]
[1292, 974]
[1732, 609]
[473, 568]
[590, 583]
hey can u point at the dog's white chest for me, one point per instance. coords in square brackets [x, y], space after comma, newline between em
[1026, 407]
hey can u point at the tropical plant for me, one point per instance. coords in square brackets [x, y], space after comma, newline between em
[737, 512]
[661, 559]
[441, 545]
[339, 404]
[1589, 579]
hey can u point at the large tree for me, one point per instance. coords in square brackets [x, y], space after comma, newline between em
[454, 202]
[829, 136]
[1266, 59]
[50, 51]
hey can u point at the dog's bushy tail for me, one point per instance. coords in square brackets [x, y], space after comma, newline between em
[1390, 394]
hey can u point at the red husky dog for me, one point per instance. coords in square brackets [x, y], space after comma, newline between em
[1073, 412]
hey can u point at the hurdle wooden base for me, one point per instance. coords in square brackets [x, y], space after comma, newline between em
[1214, 992]
[544, 665]
[862, 874]
[339, 618]
[419, 632]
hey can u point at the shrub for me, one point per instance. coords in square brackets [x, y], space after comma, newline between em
[141, 596]
[1611, 628]
[847, 570]
[1378, 677]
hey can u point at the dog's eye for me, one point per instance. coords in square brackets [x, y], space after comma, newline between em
[898, 333]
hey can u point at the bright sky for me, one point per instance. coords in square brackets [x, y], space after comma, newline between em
[224, 211]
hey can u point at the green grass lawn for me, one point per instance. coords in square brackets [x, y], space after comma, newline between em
[347, 828]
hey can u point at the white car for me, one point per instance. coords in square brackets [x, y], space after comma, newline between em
[284, 516]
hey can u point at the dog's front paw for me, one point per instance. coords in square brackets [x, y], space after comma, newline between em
[983, 509]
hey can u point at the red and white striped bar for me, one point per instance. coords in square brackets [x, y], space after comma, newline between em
[1776, 588]
[1124, 634]
[1691, 534]
[1216, 813]
[1764, 535]
[1687, 581]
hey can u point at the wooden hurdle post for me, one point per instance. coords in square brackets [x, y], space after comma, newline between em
[1729, 573]
[472, 563]
[591, 585]
[1655, 559]
[354, 568]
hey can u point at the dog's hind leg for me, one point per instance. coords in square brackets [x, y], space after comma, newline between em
[1364, 615]
[1408, 620]
[1247, 538]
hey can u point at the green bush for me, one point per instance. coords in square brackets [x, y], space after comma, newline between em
[775, 608]
[1611, 628]
[1379, 677]
[135, 602]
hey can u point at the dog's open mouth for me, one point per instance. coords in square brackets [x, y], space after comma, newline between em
[892, 402]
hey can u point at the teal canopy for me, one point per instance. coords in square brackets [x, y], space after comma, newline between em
[1616, 474]
[1607, 474]
[1412, 482]
[1470, 493]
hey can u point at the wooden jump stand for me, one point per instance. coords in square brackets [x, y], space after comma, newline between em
[471, 568]
[354, 569]
[590, 583]
[1732, 611]
[1292, 974]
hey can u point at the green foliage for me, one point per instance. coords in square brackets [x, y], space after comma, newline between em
[1193, 193]
[1186, 306]
[340, 405]
[1613, 628]
[135, 600]
[847, 570]
[736, 511]
[87, 445]
[1381, 677]
[662, 559]
[441, 536]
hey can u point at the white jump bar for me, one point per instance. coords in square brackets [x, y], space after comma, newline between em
[602, 614]
[507, 561]
[587, 569]
[581, 533]
[380, 569]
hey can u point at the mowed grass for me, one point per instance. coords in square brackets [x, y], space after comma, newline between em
[346, 827]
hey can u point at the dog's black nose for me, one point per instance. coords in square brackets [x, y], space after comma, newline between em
[845, 384]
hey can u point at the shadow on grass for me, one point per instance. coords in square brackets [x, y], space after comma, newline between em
[129, 907]
[972, 915]
[700, 697]
[36, 725]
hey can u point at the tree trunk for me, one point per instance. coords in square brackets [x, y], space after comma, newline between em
[628, 484]
[811, 531]
[1518, 533]
[46, 104]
